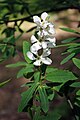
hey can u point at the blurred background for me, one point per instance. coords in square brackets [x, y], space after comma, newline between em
[16, 18]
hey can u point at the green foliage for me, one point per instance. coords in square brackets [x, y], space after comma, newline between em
[18, 64]
[76, 62]
[51, 116]
[73, 49]
[50, 69]
[69, 40]
[25, 71]
[43, 99]
[20, 8]
[76, 84]
[67, 58]
[70, 30]
[26, 96]
[36, 76]
[26, 47]
[60, 76]
[37, 114]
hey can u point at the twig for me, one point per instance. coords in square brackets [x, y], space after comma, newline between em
[72, 108]
[51, 10]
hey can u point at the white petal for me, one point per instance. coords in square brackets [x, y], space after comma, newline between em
[46, 61]
[44, 45]
[39, 33]
[37, 20]
[45, 33]
[51, 25]
[44, 26]
[33, 39]
[30, 55]
[35, 47]
[37, 63]
[38, 28]
[51, 30]
[51, 44]
[44, 16]
[53, 39]
[46, 52]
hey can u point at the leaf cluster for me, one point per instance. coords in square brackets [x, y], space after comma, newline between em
[44, 83]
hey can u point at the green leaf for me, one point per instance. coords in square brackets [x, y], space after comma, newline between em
[11, 51]
[52, 115]
[18, 64]
[50, 69]
[43, 99]
[67, 58]
[76, 84]
[37, 76]
[26, 96]
[25, 70]
[69, 40]
[4, 48]
[70, 30]
[70, 45]
[76, 62]
[37, 114]
[51, 96]
[75, 50]
[8, 38]
[1, 60]
[55, 116]
[60, 76]
[78, 92]
[5, 82]
[26, 48]
[28, 84]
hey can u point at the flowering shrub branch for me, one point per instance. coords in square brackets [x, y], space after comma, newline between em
[45, 82]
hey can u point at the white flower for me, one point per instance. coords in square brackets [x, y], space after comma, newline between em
[41, 46]
[41, 60]
[30, 55]
[46, 52]
[44, 16]
[51, 42]
[44, 43]
[35, 47]
[38, 60]
[44, 27]
[37, 19]
[51, 29]
[33, 39]
[38, 44]
[43, 33]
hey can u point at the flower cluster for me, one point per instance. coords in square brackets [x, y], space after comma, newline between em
[43, 41]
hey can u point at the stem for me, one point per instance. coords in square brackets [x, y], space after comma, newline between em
[51, 10]
[40, 75]
[30, 113]
[72, 108]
